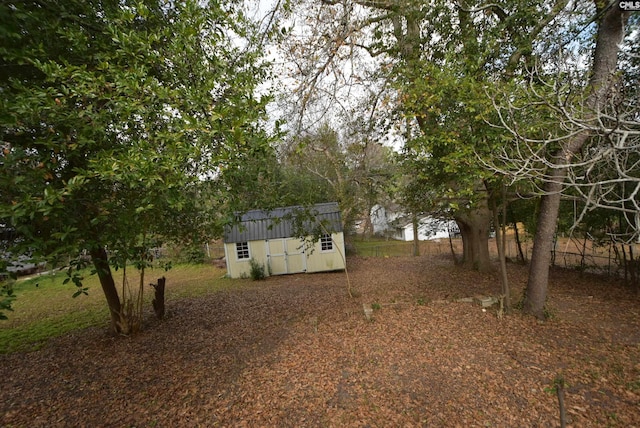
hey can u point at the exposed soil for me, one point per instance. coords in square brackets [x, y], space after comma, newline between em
[297, 351]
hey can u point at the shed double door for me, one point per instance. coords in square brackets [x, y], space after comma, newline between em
[286, 256]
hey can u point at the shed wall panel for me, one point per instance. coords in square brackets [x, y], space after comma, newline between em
[321, 261]
[272, 241]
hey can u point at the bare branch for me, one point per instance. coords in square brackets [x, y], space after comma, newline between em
[604, 173]
[495, 8]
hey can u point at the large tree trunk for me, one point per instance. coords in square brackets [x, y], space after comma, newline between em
[101, 263]
[610, 33]
[474, 227]
[536, 291]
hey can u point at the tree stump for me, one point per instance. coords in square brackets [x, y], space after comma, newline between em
[158, 300]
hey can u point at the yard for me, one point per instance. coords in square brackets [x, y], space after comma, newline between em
[296, 351]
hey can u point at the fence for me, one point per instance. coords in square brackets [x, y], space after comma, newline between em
[403, 248]
[568, 253]
[609, 259]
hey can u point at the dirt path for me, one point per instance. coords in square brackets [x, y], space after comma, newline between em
[296, 351]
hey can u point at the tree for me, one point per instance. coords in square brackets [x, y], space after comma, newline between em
[450, 115]
[447, 127]
[345, 168]
[589, 137]
[112, 113]
[429, 65]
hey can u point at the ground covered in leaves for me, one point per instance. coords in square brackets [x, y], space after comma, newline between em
[297, 351]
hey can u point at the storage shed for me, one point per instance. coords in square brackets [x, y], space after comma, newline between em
[280, 240]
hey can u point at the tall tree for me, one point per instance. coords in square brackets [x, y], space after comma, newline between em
[345, 168]
[435, 61]
[590, 135]
[112, 113]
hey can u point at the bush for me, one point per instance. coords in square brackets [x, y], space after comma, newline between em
[6, 298]
[195, 254]
[189, 254]
[257, 270]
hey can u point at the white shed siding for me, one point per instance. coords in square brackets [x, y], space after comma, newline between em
[319, 261]
[240, 268]
[269, 235]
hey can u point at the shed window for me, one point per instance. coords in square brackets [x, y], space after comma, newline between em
[326, 243]
[242, 250]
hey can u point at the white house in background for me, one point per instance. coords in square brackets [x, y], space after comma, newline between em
[382, 218]
[428, 228]
[272, 239]
[399, 226]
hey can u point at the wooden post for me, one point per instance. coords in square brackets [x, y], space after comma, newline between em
[158, 300]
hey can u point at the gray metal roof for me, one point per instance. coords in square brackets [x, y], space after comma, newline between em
[285, 223]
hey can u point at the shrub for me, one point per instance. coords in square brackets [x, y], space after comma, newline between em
[257, 270]
[194, 254]
[6, 298]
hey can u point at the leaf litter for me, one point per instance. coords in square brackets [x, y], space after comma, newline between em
[297, 351]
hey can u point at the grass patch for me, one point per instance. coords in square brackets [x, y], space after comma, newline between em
[44, 307]
[32, 336]
[379, 247]
[382, 248]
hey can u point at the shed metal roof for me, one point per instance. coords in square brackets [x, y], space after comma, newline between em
[285, 222]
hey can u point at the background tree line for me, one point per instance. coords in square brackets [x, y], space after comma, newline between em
[496, 104]
[127, 124]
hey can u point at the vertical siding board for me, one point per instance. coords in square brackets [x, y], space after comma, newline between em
[257, 227]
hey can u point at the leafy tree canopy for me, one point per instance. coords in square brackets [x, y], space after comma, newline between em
[113, 113]
[113, 116]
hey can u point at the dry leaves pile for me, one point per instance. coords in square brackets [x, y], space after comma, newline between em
[296, 351]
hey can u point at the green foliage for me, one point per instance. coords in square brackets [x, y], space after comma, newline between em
[118, 120]
[257, 270]
[439, 162]
[6, 298]
[558, 383]
[444, 108]
[318, 161]
[193, 254]
[76, 273]
[44, 308]
[125, 116]
[326, 165]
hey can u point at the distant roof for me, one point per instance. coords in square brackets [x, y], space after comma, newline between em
[285, 222]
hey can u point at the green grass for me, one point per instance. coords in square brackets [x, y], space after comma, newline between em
[378, 247]
[44, 307]
[33, 335]
[382, 248]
